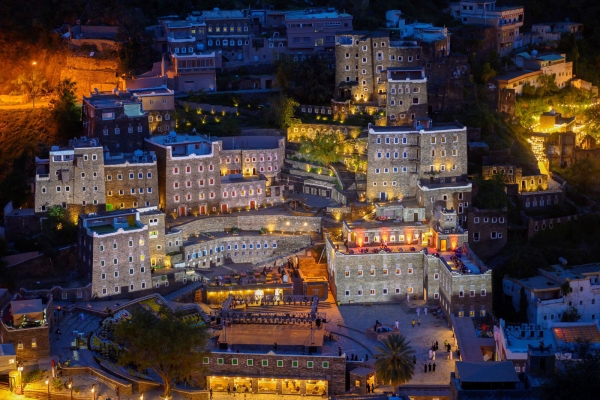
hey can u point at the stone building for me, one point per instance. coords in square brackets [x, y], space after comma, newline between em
[27, 324]
[406, 95]
[382, 276]
[200, 176]
[116, 119]
[488, 230]
[114, 252]
[478, 40]
[72, 177]
[315, 29]
[505, 20]
[159, 103]
[426, 161]
[362, 56]
[131, 180]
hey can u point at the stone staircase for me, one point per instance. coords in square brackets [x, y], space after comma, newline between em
[347, 177]
[407, 309]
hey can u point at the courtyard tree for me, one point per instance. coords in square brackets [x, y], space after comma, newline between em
[322, 148]
[164, 343]
[394, 360]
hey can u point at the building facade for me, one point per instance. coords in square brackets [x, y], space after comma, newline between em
[198, 176]
[72, 177]
[159, 103]
[114, 252]
[406, 95]
[131, 180]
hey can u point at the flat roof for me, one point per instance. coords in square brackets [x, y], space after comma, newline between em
[517, 74]
[267, 334]
[482, 372]
[249, 142]
[469, 344]
[539, 282]
[178, 138]
[131, 158]
[305, 14]
[26, 306]
[400, 73]
[215, 14]
[410, 129]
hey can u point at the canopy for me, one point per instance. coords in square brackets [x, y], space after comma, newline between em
[32, 309]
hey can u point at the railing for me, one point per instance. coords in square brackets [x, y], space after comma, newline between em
[42, 177]
[552, 301]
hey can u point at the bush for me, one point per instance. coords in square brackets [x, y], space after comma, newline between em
[57, 384]
[33, 376]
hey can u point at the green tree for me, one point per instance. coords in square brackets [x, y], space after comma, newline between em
[281, 111]
[65, 112]
[32, 83]
[314, 81]
[323, 148]
[491, 193]
[171, 347]
[394, 360]
[571, 314]
[577, 378]
[487, 73]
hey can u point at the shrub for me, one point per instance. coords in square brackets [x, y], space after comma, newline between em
[33, 376]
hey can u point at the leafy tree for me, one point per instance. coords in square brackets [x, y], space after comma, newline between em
[491, 193]
[171, 347]
[394, 360]
[314, 81]
[64, 109]
[577, 378]
[487, 73]
[322, 148]
[571, 314]
[281, 111]
[32, 83]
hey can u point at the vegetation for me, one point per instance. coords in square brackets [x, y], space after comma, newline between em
[571, 314]
[394, 360]
[324, 149]
[281, 111]
[491, 193]
[577, 378]
[33, 376]
[64, 110]
[171, 347]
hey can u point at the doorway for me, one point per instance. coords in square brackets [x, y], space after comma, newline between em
[416, 217]
[182, 212]
[443, 245]
[383, 196]
[202, 210]
[252, 204]
[223, 208]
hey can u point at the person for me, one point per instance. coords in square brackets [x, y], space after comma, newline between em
[413, 323]
[234, 389]
[210, 391]
[436, 344]
[433, 358]
[429, 367]
[418, 311]
[433, 367]
[368, 388]
[458, 353]
[228, 389]
[419, 321]
[430, 353]
[414, 359]
[372, 388]
[425, 365]
[445, 343]
[407, 298]
[397, 325]
[339, 351]
[366, 357]
[425, 310]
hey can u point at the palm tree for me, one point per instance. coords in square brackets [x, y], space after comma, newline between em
[394, 362]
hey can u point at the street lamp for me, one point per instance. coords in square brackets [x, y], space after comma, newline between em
[48, 385]
[94, 392]
[71, 386]
[33, 64]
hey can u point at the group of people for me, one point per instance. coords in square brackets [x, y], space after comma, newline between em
[354, 357]
[370, 388]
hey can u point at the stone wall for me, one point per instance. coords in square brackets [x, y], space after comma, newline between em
[138, 186]
[535, 225]
[297, 132]
[246, 221]
[329, 368]
[90, 73]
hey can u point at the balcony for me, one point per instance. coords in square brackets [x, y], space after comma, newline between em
[42, 177]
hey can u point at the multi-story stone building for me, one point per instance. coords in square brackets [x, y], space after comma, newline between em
[406, 95]
[114, 252]
[488, 230]
[201, 176]
[549, 64]
[116, 119]
[360, 59]
[426, 160]
[315, 29]
[131, 180]
[462, 287]
[159, 103]
[505, 20]
[72, 177]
